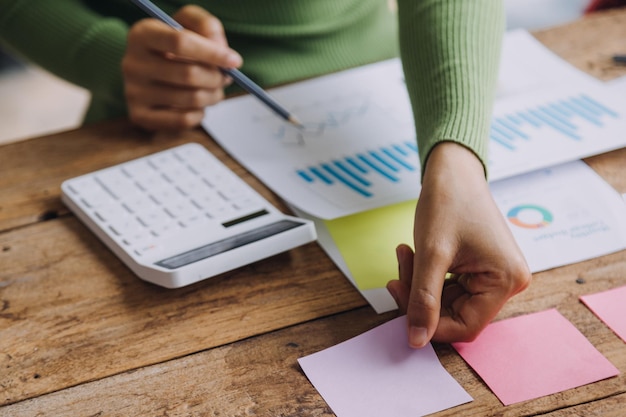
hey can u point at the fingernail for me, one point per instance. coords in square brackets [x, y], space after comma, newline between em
[234, 59]
[393, 293]
[418, 336]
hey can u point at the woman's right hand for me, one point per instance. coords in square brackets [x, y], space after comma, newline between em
[458, 229]
[170, 76]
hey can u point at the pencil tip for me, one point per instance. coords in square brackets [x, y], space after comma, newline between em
[294, 121]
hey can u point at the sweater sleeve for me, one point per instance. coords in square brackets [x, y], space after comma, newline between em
[70, 40]
[450, 53]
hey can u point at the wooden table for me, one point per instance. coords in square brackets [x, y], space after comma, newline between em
[81, 335]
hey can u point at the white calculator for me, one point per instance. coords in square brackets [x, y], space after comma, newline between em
[180, 216]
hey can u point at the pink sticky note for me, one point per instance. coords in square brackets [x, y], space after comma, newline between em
[377, 374]
[610, 307]
[534, 355]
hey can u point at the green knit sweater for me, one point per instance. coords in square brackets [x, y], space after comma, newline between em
[449, 49]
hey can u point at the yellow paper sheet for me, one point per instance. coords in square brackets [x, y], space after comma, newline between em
[367, 242]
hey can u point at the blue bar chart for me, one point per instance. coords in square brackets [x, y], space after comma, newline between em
[547, 127]
[535, 131]
[562, 117]
[360, 172]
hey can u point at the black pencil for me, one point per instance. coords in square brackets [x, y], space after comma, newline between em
[240, 78]
[619, 59]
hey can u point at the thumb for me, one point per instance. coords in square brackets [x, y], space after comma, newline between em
[424, 305]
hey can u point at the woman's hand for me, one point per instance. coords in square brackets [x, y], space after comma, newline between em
[458, 229]
[170, 76]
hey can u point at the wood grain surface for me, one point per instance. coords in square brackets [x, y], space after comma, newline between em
[80, 335]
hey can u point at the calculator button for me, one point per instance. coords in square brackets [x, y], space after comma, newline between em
[125, 226]
[138, 169]
[173, 172]
[162, 160]
[139, 203]
[90, 193]
[166, 195]
[85, 187]
[231, 193]
[197, 220]
[150, 181]
[192, 186]
[111, 212]
[246, 203]
[179, 208]
[153, 217]
[166, 229]
[94, 201]
[139, 238]
[221, 212]
[115, 183]
[207, 199]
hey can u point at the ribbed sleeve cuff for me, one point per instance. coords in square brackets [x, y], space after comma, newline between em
[450, 52]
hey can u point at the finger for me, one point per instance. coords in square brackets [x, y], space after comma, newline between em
[471, 314]
[400, 288]
[165, 119]
[175, 73]
[154, 35]
[199, 20]
[429, 272]
[471, 309]
[405, 256]
[452, 291]
[155, 95]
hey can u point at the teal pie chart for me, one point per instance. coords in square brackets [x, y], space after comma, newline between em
[529, 216]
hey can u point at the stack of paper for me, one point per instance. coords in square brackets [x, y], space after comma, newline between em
[355, 170]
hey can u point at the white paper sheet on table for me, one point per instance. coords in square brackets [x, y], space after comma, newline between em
[358, 150]
[618, 84]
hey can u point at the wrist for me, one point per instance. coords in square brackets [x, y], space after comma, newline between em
[452, 157]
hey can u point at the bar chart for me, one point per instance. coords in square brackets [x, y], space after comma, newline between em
[560, 116]
[357, 149]
[544, 128]
[536, 131]
[359, 173]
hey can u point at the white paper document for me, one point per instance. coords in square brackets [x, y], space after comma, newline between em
[358, 151]
[618, 84]
[562, 215]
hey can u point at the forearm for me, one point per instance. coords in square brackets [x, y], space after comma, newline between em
[450, 52]
[70, 40]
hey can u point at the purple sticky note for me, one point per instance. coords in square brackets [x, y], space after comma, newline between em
[610, 307]
[377, 374]
[534, 355]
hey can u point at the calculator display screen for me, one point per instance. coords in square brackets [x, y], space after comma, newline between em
[227, 244]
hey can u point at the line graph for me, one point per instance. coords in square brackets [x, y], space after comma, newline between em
[333, 115]
[332, 119]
